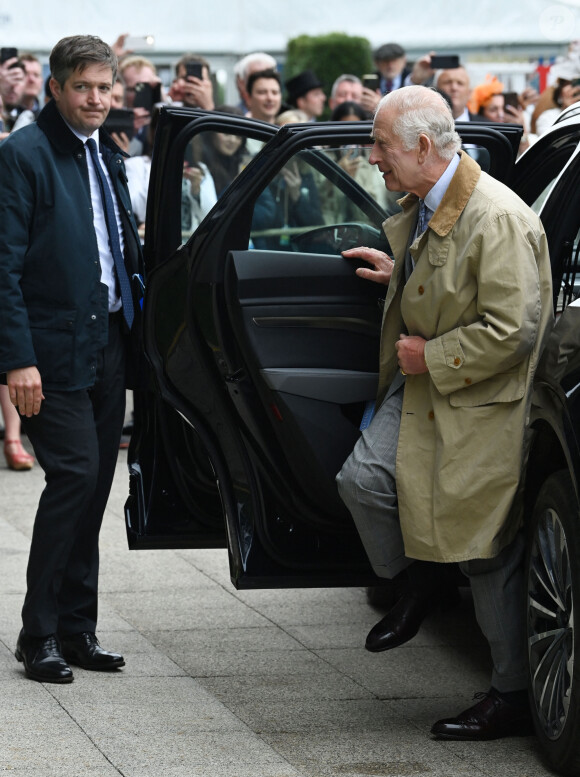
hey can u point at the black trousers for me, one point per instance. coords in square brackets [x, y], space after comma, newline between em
[76, 439]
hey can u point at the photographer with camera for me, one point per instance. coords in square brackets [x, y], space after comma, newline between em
[192, 85]
[12, 82]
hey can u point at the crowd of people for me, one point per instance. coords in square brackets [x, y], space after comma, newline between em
[264, 96]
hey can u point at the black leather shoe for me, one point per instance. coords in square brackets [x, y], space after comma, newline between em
[491, 718]
[404, 620]
[42, 659]
[84, 650]
[401, 623]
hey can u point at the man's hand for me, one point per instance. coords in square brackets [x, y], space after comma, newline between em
[382, 263]
[370, 99]
[513, 115]
[11, 80]
[25, 390]
[293, 179]
[119, 46]
[197, 92]
[411, 354]
[195, 176]
[122, 140]
[422, 70]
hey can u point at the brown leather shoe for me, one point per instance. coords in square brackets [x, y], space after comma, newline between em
[491, 718]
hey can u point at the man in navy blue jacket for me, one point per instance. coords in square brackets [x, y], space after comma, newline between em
[69, 248]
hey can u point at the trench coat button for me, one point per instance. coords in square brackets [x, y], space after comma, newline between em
[421, 290]
[93, 317]
[468, 381]
[431, 415]
[457, 361]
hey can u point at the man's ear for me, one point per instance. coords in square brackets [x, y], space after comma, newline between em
[425, 145]
[55, 88]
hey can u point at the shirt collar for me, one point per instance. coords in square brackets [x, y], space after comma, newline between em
[437, 192]
[82, 137]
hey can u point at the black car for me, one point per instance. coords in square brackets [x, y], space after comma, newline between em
[264, 348]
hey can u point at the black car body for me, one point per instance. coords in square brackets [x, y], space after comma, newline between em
[263, 345]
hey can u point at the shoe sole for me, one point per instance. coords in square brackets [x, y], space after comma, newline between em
[392, 646]
[92, 667]
[517, 730]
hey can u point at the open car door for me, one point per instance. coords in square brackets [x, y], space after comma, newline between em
[264, 345]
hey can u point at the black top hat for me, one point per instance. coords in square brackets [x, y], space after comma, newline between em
[301, 84]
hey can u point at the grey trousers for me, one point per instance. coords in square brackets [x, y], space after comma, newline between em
[367, 485]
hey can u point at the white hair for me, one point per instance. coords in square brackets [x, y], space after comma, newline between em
[422, 111]
[242, 65]
[341, 79]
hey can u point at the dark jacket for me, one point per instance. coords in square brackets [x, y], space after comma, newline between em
[53, 305]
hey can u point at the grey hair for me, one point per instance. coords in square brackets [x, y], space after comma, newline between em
[266, 61]
[341, 79]
[78, 52]
[422, 111]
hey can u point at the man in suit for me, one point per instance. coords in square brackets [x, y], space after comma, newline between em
[435, 476]
[305, 93]
[69, 248]
[455, 83]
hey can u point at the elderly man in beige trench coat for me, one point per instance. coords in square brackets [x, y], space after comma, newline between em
[434, 477]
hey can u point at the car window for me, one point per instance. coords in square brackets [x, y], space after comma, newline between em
[570, 285]
[322, 201]
[479, 154]
[212, 161]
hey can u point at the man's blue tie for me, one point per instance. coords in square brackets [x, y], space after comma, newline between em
[113, 230]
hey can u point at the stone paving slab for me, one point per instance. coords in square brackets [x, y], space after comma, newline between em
[226, 683]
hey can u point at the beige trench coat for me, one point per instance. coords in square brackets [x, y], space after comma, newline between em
[480, 294]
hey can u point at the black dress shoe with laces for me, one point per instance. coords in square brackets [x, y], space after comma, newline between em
[83, 650]
[491, 718]
[42, 659]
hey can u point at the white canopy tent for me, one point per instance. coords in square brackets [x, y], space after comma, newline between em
[236, 27]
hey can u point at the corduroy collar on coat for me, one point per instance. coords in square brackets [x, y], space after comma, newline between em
[455, 198]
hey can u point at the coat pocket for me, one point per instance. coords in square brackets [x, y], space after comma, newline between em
[504, 387]
[53, 336]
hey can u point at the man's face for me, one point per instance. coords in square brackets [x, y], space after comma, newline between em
[32, 79]
[133, 75]
[255, 67]
[391, 68]
[455, 83]
[346, 91]
[118, 95]
[312, 102]
[85, 99]
[401, 169]
[265, 100]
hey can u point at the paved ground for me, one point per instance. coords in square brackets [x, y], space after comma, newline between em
[239, 684]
